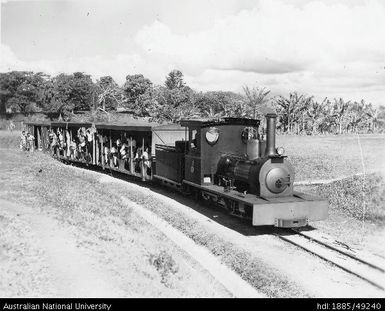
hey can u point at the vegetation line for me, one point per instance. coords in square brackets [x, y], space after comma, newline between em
[66, 95]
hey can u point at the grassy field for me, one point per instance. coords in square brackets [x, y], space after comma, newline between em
[333, 156]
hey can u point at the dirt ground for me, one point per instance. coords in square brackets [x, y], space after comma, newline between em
[66, 232]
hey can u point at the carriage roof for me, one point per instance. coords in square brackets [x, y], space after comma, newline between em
[38, 123]
[220, 121]
[137, 125]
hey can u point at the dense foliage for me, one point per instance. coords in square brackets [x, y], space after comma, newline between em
[28, 92]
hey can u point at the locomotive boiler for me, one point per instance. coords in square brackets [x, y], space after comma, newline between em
[263, 170]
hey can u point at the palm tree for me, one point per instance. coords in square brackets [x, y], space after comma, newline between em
[257, 101]
[315, 114]
[291, 110]
[339, 112]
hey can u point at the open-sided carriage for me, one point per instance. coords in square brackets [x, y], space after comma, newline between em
[115, 146]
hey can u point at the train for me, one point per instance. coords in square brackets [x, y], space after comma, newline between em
[228, 162]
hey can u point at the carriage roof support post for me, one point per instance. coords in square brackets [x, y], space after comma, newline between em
[110, 158]
[38, 139]
[110, 140]
[93, 148]
[102, 149]
[142, 161]
[131, 157]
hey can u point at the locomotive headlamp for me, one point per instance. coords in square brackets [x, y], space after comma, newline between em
[212, 135]
[280, 151]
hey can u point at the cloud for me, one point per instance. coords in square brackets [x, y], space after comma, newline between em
[274, 35]
[315, 47]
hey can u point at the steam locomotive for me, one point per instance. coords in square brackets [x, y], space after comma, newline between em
[226, 162]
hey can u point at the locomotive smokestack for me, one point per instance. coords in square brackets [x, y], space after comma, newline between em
[270, 134]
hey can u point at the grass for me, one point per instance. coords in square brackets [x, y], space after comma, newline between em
[352, 194]
[19, 248]
[330, 157]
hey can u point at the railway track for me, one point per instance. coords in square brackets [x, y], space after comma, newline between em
[368, 267]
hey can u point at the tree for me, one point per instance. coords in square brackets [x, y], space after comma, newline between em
[22, 91]
[258, 102]
[216, 104]
[109, 94]
[315, 116]
[174, 105]
[291, 111]
[69, 93]
[134, 87]
[174, 80]
[82, 91]
[339, 112]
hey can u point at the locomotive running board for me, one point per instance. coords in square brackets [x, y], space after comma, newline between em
[276, 211]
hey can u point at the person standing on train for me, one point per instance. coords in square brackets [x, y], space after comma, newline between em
[146, 162]
[23, 141]
[30, 142]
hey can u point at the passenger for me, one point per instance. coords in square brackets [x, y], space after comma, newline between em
[12, 126]
[107, 155]
[124, 151]
[114, 156]
[125, 156]
[82, 146]
[146, 162]
[23, 141]
[30, 142]
[89, 146]
[137, 159]
[54, 142]
[73, 150]
[61, 141]
[118, 147]
[68, 143]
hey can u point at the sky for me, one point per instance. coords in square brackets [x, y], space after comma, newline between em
[323, 48]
